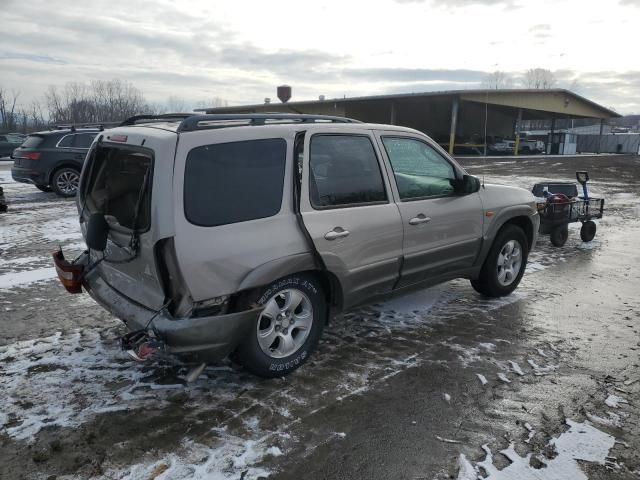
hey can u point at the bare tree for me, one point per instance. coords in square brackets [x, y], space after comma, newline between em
[176, 104]
[98, 101]
[8, 120]
[498, 80]
[214, 102]
[539, 78]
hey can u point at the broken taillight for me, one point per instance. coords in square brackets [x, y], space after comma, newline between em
[70, 275]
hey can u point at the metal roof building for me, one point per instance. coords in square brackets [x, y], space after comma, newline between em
[457, 119]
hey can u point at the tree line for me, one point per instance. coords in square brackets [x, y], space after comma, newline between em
[534, 78]
[98, 101]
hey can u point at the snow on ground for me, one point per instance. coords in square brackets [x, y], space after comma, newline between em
[582, 442]
[21, 279]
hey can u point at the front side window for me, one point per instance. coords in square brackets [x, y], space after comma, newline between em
[234, 182]
[344, 171]
[420, 171]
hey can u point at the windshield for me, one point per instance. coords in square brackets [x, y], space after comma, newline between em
[118, 185]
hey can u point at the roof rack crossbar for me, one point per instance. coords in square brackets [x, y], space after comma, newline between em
[193, 121]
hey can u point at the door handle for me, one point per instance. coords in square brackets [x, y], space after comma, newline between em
[336, 233]
[419, 219]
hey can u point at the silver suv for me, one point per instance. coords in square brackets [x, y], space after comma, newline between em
[212, 235]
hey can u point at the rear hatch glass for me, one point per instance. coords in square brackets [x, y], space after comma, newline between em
[32, 141]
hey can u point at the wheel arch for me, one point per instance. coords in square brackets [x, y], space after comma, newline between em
[253, 283]
[63, 164]
[524, 222]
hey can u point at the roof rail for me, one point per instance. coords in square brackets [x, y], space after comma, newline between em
[193, 122]
[73, 126]
[155, 118]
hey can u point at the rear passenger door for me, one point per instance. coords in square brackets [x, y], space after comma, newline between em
[347, 208]
[442, 229]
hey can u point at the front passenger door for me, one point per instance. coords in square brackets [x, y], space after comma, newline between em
[442, 229]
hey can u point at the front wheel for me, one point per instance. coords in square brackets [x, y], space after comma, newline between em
[588, 231]
[65, 182]
[505, 264]
[287, 330]
[559, 235]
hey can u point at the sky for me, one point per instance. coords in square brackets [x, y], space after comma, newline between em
[241, 50]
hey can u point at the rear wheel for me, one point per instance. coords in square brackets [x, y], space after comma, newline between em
[559, 235]
[43, 188]
[588, 231]
[65, 182]
[505, 264]
[287, 330]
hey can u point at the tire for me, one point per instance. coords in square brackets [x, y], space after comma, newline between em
[65, 182]
[286, 347]
[495, 280]
[588, 231]
[559, 235]
[44, 188]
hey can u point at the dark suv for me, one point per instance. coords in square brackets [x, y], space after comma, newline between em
[52, 160]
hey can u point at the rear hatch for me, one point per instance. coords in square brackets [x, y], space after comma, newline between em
[127, 181]
[27, 154]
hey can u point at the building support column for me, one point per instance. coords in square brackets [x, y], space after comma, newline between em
[550, 139]
[454, 122]
[600, 136]
[393, 114]
[516, 147]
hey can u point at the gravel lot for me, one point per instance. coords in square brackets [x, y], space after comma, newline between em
[432, 385]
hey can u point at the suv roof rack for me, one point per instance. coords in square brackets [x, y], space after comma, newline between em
[191, 121]
[73, 126]
[155, 118]
[208, 121]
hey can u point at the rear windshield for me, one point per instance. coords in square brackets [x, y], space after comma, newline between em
[118, 185]
[32, 141]
[234, 182]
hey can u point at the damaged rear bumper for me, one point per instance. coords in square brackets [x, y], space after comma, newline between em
[208, 338]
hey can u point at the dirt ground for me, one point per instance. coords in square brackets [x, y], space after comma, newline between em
[432, 385]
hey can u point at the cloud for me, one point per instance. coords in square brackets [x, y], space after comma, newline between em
[463, 3]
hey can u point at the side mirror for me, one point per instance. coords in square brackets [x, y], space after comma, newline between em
[97, 232]
[466, 185]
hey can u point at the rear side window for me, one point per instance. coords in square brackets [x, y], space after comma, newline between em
[84, 140]
[32, 141]
[344, 171]
[234, 182]
[66, 141]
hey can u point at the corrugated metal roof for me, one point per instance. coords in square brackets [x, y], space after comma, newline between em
[400, 96]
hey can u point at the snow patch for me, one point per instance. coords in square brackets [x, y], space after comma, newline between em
[581, 442]
[503, 378]
[67, 228]
[614, 401]
[516, 368]
[18, 279]
[482, 378]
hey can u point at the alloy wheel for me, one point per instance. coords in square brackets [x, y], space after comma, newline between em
[509, 262]
[285, 323]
